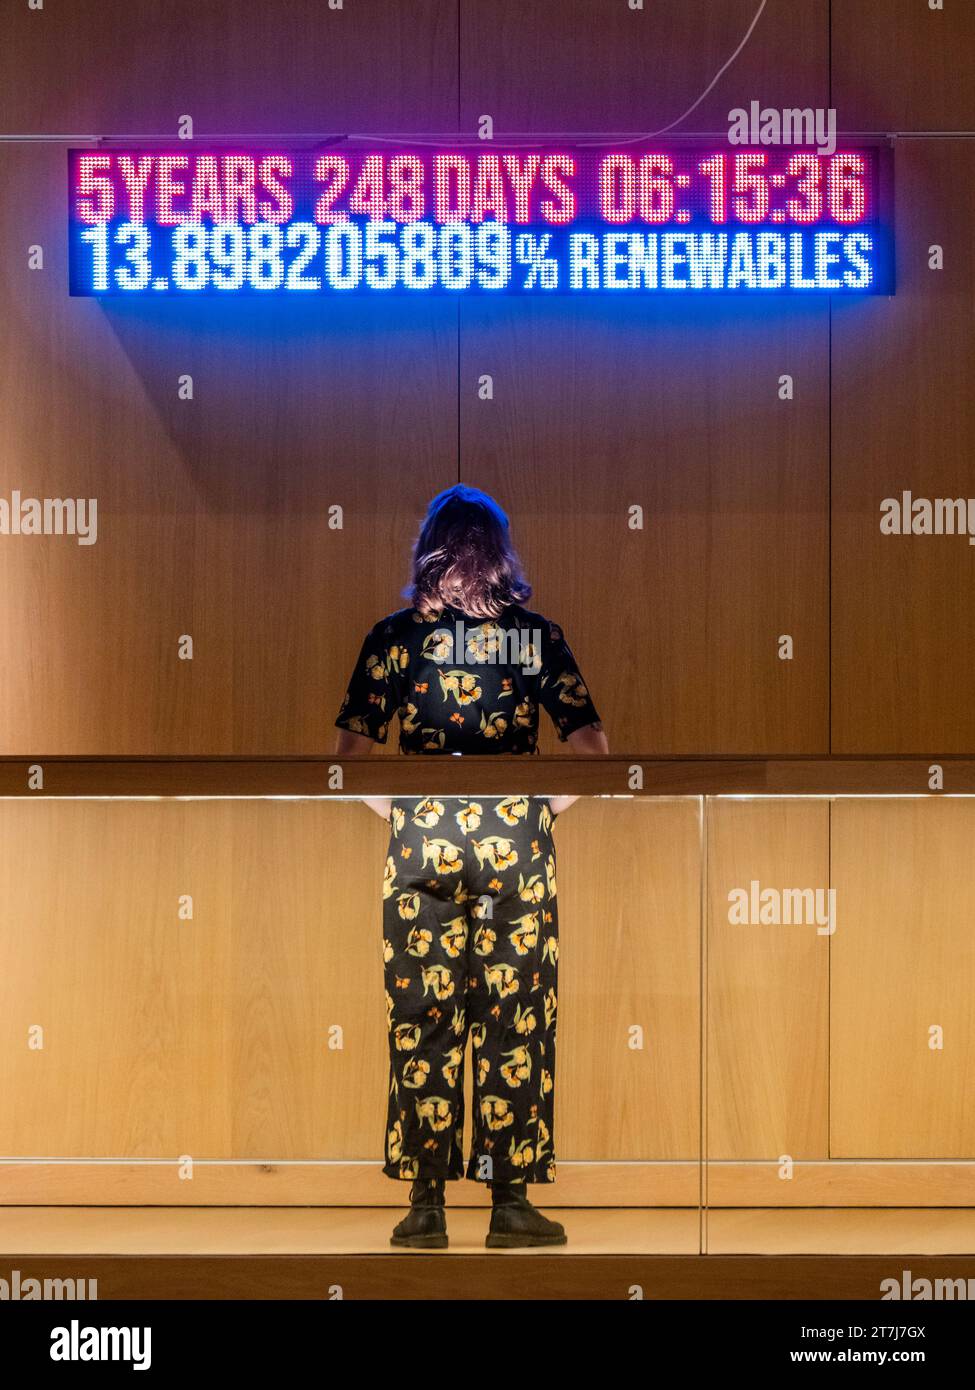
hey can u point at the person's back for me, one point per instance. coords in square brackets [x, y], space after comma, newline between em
[470, 912]
[465, 685]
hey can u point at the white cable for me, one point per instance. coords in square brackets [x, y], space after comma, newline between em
[445, 139]
[630, 140]
[406, 140]
[748, 33]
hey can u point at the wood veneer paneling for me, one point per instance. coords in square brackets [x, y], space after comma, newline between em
[629, 897]
[210, 1037]
[903, 419]
[767, 986]
[122, 67]
[903, 962]
[213, 514]
[585, 65]
[600, 407]
[899, 65]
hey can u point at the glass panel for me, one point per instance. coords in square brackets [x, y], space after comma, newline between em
[630, 1118]
[839, 1037]
[195, 989]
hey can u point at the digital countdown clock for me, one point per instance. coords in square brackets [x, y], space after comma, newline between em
[339, 221]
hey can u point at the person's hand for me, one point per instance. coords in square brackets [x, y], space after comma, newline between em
[561, 803]
[382, 805]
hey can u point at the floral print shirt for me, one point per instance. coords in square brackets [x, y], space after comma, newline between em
[465, 685]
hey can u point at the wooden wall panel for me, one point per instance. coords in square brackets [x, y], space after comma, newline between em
[899, 65]
[629, 904]
[206, 1037]
[213, 513]
[134, 1005]
[767, 986]
[210, 1037]
[112, 67]
[598, 407]
[903, 961]
[903, 607]
[585, 65]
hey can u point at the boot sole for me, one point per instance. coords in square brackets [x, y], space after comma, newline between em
[514, 1242]
[420, 1242]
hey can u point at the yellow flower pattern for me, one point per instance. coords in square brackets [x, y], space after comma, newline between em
[460, 684]
[470, 946]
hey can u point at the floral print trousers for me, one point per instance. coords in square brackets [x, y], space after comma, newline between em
[471, 946]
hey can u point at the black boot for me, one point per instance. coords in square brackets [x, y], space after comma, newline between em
[516, 1223]
[425, 1225]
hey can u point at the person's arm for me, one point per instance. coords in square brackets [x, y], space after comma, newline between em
[364, 717]
[588, 741]
[348, 742]
[357, 743]
[564, 695]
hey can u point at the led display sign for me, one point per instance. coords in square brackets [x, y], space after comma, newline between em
[630, 220]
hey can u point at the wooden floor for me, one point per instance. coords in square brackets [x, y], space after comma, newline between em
[365, 1230]
[842, 1231]
[315, 1230]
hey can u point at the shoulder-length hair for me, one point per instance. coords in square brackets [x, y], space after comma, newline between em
[463, 557]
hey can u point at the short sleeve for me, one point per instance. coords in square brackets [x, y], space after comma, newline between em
[369, 701]
[561, 688]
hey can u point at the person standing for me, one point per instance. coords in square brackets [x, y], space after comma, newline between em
[469, 889]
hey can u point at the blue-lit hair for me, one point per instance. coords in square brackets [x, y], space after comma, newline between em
[463, 557]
